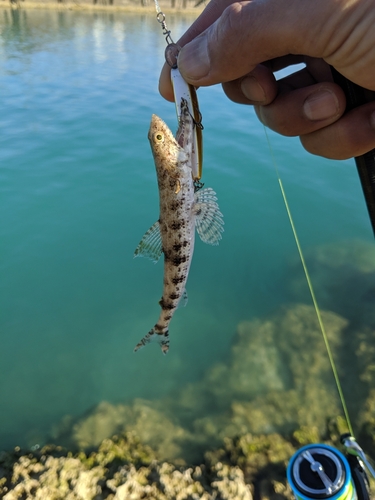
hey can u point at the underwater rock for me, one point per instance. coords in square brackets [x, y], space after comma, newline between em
[54, 478]
[365, 355]
[144, 418]
[296, 385]
[360, 379]
[255, 454]
[240, 423]
[221, 481]
[278, 378]
[283, 412]
[255, 366]
[109, 473]
[343, 276]
[243, 468]
[366, 422]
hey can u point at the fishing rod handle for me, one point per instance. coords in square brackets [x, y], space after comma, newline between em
[357, 96]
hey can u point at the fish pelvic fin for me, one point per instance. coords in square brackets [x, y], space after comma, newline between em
[153, 336]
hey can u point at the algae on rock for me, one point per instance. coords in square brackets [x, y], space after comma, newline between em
[44, 476]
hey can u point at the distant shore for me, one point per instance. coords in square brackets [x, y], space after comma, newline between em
[142, 6]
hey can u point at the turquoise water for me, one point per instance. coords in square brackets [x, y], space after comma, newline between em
[78, 190]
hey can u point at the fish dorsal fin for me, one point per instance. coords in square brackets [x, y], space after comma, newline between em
[208, 218]
[150, 245]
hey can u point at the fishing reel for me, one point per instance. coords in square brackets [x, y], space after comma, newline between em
[319, 471]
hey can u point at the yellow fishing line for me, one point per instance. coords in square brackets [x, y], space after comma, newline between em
[312, 293]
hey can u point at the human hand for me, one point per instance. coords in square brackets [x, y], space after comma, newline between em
[240, 44]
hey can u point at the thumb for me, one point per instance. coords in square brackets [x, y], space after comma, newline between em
[252, 32]
[246, 34]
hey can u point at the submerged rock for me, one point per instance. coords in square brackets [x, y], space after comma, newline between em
[145, 419]
[278, 378]
[238, 426]
[116, 471]
[243, 468]
[343, 276]
[296, 385]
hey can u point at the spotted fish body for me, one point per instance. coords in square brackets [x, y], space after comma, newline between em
[182, 210]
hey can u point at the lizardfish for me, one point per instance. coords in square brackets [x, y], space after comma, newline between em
[182, 209]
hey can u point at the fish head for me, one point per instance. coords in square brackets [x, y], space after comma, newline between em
[167, 152]
[160, 136]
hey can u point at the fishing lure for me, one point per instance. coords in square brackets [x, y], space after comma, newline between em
[185, 91]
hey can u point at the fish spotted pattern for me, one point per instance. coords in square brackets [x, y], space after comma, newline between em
[182, 210]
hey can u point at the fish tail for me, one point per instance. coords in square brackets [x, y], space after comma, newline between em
[153, 335]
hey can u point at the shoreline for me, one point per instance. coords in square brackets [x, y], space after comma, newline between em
[102, 7]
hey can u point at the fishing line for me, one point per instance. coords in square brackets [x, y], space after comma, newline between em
[311, 289]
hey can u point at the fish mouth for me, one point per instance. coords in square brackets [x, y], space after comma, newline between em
[155, 121]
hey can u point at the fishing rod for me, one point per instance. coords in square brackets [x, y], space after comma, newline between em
[357, 96]
[319, 471]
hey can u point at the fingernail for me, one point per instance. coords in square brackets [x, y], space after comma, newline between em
[252, 90]
[193, 60]
[321, 105]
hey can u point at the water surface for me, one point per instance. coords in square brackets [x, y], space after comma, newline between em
[78, 190]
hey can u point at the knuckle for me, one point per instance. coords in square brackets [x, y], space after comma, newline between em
[229, 24]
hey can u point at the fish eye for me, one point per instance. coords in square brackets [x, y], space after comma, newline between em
[159, 137]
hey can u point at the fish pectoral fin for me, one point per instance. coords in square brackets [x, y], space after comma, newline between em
[150, 245]
[208, 218]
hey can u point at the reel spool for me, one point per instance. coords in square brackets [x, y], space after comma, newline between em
[319, 471]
